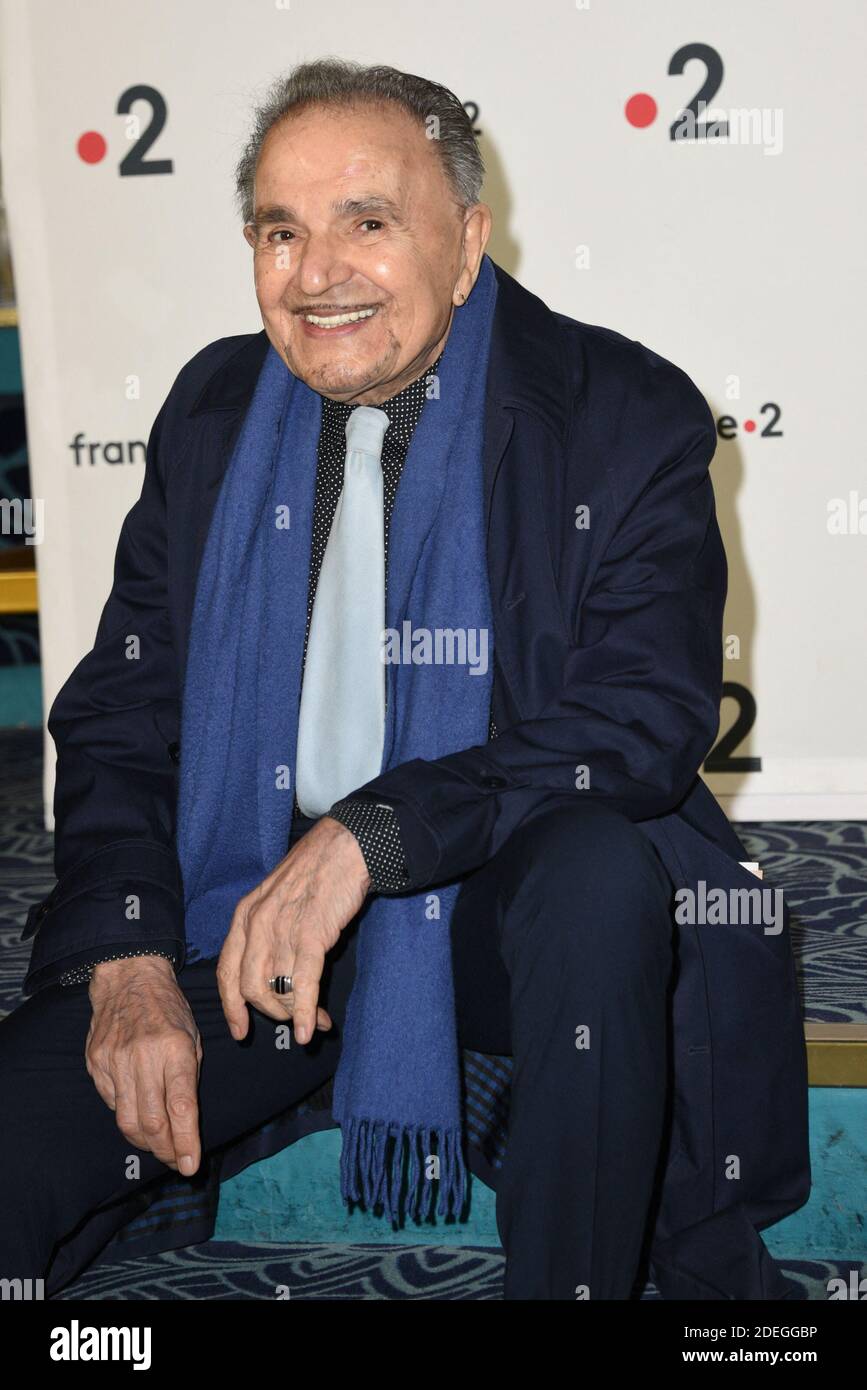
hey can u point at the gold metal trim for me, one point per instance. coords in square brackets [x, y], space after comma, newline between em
[836, 1054]
[18, 592]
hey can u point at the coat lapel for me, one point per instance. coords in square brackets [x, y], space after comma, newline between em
[527, 427]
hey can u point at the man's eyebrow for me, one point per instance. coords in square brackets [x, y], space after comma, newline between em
[373, 203]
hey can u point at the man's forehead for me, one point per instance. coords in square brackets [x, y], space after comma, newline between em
[380, 123]
[373, 172]
[355, 142]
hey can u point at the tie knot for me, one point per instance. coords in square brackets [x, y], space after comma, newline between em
[365, 430]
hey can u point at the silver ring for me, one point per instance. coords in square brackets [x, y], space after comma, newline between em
[281, 984]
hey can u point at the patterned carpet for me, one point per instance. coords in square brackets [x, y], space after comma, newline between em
[822, 866]
[220, 1269]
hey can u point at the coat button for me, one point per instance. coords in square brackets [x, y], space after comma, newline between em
[175, 752]
[495, 784]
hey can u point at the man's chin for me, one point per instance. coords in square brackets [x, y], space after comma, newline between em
[342, 382]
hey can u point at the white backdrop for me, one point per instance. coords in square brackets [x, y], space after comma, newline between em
[738, 259]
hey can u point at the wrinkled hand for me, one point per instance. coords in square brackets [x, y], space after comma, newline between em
[286, 925]
[143, 1053]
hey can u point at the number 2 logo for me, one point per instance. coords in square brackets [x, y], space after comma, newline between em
[722, 758]
[134, 161]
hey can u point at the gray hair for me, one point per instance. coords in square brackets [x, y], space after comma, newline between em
[336, 82]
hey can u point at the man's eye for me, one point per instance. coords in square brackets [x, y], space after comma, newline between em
[368, 221]
[281, 231]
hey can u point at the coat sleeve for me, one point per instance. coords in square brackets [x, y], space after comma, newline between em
[115, 725]
[638, 706]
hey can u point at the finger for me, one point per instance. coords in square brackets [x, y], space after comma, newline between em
[126, 1113]
[323, 1020]
[309, 963]
[229, 979]
[268, 1002]
[153, 1119]
[99, 1073]
[104, 1087]
[104, 1083]
[182, 1107]
[257, 968]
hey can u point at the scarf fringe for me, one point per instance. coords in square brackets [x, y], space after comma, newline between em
[385, 1164]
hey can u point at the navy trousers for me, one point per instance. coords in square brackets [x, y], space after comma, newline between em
[562, 947]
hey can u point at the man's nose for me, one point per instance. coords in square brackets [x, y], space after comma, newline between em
[322, 265]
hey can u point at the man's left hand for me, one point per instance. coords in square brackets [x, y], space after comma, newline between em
[286, 925]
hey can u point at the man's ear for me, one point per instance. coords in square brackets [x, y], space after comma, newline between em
[478, 224]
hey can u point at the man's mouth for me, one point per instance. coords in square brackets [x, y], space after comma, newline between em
[337, 320]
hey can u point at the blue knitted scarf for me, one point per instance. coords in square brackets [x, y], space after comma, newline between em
[397, 1088]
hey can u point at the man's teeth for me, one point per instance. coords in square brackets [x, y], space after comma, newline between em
[335, 320]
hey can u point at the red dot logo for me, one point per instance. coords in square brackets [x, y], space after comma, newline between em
[641, 110]
[91, 147]
[749, 426]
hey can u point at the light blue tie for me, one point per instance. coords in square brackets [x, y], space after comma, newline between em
[341, 722]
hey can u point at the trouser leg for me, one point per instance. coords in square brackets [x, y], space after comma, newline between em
[563, 951]
[61, 1153]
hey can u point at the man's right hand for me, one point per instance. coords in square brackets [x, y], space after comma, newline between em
[143, 1053]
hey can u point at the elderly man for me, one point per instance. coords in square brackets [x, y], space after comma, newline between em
[391, 729]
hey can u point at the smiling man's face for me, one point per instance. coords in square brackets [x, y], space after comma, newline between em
[353, 214]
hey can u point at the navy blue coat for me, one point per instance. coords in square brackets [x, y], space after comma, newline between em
[608, 647]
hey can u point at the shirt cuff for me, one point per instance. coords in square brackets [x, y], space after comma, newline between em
[375, 827]
[82, 973]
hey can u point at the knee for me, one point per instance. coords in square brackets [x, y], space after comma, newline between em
[581, 873]
[579, 845]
